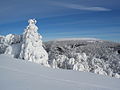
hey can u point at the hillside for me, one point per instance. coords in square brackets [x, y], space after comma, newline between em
[18, 74]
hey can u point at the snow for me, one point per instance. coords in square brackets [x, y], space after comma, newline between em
[13, 50]
[12, 39]
[18, 74]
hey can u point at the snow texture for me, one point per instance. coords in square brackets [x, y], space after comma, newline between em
[24, 75]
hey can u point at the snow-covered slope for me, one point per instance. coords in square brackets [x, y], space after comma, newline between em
[18, 74]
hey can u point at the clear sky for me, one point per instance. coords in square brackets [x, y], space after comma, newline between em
[63, 18]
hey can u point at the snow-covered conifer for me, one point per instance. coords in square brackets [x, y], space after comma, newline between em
[32, 48]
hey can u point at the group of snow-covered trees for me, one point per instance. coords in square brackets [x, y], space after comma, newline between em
[89, 55]
[27, 46]
[98, 56]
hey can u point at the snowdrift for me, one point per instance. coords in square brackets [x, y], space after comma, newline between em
[18, 74]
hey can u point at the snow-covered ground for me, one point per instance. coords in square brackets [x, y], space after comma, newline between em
[18, 74]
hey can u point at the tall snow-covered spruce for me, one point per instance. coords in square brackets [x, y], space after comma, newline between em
[31, 48]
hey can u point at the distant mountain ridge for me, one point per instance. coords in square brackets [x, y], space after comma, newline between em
[67, 39]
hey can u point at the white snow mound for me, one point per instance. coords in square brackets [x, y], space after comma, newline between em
[17, 74]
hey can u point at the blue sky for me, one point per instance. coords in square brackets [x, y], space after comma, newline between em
[63, 18]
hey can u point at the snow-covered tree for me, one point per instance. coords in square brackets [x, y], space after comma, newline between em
[13, 45]
[96, 56]
[32, 48]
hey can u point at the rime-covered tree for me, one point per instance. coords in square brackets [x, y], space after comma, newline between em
[32, 48]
